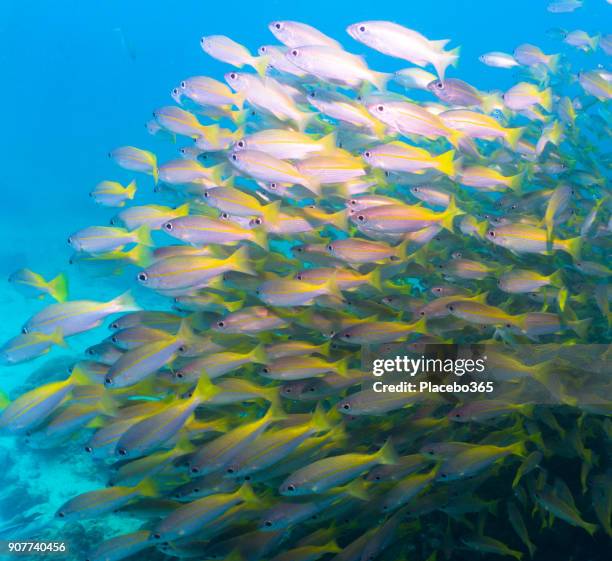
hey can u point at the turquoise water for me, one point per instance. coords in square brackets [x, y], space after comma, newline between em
[81, 79]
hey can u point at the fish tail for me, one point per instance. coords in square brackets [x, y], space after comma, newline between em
[380, 80]
[324, 348]
[445, 163]
[573, 247]
[147, 488]
[339, 220]
[449, 215]
[143, 235]
[130, 190]
[260, 64]
[258, 355]
[387, 454]
[125, 303]
[518, 449]
[331, 547]
[319, 421]
[216, 173]
[247, 495]
[446, 59]
[260, 238]
[420, 326]
[57, 337]
[182, 210]
[590, 528]
[58, 287]
[546, 99]
[271, 212]
[515, 182]
[238, 117]
[514, 135]
[341, 366]
[481, 228]
[4, 400]
[185, 334]
[357, 489]
[580, 327]
[328, 143]
[155, 171]
[234, 306]
[239, 261]
[312, 184]
[375, 279]
[556, 279]
[204, 389]
[239, 98]
[140, 255]
[553, 63]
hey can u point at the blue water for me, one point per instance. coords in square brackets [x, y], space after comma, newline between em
[80, 78]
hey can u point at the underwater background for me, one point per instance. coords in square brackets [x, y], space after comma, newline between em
[83, 78]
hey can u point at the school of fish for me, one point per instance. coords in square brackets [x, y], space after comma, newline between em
[317, 207]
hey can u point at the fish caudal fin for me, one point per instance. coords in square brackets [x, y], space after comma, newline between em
[449, 215]
[130, 190]
[240, 262]
[247, 495]
[445, 163]
[204, 389]
[387, 454]
[143, 235]
[58, 288]
[258, 355]
[125, 303]
[147, 488]
[514, 135]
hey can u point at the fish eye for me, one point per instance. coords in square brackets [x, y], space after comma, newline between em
[265, 370]
[508, 325]
[234, 157]
[114, 338]
[361, 218]
[451, 308]
[61, 514]
[290, 487]
[380, 108]
[268, 524]
[230, 470]
[347, 335]
[312, 94]
[377, 477]
[457, 415]
[346, 406]
[330, 247]
[278, 25]
[179, 374]
[233, 76]
[367, 153]
[88, 449]
[514, 207]
[157, 536]
[273, 186]
[440, 85]
[240, 144]
[168, 226]
[108, 381]
[206, 194]
[182, 349]
[299, 276]
[24, 330]
[362, 28]
[258, 221]
[492, 233]
[221, 324]
[70, 240]
[194, 469]
[262, 49]
[183, 84]
[421, 313]
[122, 451]
[143, 277]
